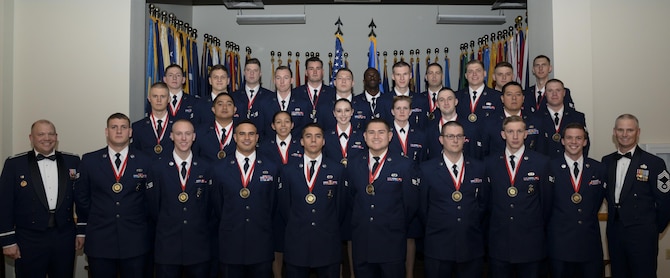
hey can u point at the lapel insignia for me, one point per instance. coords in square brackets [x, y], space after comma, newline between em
[132, 156]
[195, 163]
[587, 165]
[171, 163]
[525, 158]
[24, 183]
[563, 166]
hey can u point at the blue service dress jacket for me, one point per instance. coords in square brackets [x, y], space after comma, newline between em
[380, 219]
[245, 229]
[116, 225]
[144, 138]
[517, 226]
[455, 230]
[323, 107]
[182, 227]
[574, 228]
[207, 144]
[312, 236]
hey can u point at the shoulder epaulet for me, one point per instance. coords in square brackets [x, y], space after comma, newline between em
[18, 154]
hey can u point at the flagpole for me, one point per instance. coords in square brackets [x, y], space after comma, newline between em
[297, 69]
[447, 70]
[417, 77]
[272, 61]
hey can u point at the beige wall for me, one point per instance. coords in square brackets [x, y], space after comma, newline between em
[6, 75]
[70, 66]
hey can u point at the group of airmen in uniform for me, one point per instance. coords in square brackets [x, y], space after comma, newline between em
[296, 181]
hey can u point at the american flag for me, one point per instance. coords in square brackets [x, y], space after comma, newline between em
[338, 63]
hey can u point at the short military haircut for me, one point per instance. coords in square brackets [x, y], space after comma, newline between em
[451, 123]
[401, 98]
[311, 125]
[284, 68]
[184, 121]
[511, 83]
[400, 64]
[253, 61]
[220, 95]
[446, 89]
[274, 117]
[345, 70]
[118, 115]
[247, 122]
[433, 65]
[541, 57]
[159, 85]
[378, 120]
[513, 119]
[554, 80]
[174, 66]
[219, 67]
[42, 121]
[474, 62]
[576, 126]
[504, 65]
[627, 117]
[313, 59]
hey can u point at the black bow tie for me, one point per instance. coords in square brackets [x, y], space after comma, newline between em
[344, 135]
[41, 157]
[626, 155]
